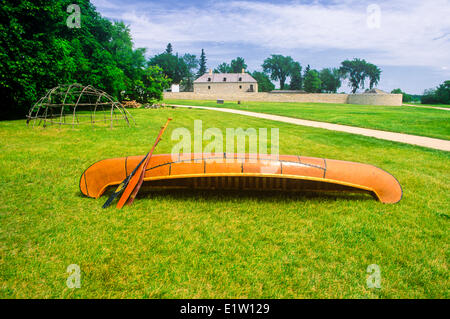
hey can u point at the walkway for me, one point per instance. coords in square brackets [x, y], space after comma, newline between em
[435, 143]
[429, 107]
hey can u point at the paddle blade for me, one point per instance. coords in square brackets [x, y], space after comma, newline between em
[130, 187]
[137, 188]
[113, 196]
[123, 185]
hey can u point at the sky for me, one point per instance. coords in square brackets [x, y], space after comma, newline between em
[408, 39]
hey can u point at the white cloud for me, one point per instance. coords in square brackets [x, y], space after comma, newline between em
[411, 33]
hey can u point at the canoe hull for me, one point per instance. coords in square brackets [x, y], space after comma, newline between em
[245, 172]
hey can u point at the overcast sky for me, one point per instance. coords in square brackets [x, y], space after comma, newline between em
[408, 39]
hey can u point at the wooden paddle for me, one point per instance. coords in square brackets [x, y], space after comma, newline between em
[122, 185]
[135, 183]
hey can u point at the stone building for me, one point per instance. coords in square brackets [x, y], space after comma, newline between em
[225, 83]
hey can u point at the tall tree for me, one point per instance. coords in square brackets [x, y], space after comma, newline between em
[312, 83]
[308, 67]
[173, 66]
[330, 79]
[169, 49]
[130, 61]
[373, 72]
[442, 93]
[279, 67]
[264, 83]
[223, 68]
[355, 71]
[237, 65]
[99, 53]
[296, 77]
[202, 65]
[191, 62]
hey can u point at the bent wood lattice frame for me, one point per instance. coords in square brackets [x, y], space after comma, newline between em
[75, 104]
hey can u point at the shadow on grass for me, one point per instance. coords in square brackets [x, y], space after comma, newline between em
[251, 195]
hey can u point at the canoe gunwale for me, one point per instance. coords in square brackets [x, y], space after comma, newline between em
[261, 175]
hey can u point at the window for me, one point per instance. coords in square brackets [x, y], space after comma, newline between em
[224, 79]
[240, 86]
[209, 79]
[240, 79]
[209, 87]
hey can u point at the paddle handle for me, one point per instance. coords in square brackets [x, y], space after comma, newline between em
[141, 178]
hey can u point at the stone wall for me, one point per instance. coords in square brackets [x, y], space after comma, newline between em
[363, 99]
[376, 99]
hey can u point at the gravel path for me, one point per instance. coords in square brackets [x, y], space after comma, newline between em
[443, 145]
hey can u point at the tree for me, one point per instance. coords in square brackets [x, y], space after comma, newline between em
[373, 72]
[130, 61]
[406, 97]
[151, 86]
[264, 83]
[223, 68]
[296, 77]
[312, 82]
[442, 93]
[306, 71]
[429, 97]
[173, 66]
[191, 62]
[169, 48]
[279, 67]
[330, 79]
[202, 64]
[354, 71]
[439, 95]
[39, 51]
[357, 70]
[237, 65]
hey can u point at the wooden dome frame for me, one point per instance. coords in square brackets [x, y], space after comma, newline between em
[64, 105]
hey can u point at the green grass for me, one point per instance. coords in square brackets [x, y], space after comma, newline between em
[212, 244]
[402, 119]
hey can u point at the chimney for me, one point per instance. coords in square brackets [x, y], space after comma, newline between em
[243, 70]
[210, 71]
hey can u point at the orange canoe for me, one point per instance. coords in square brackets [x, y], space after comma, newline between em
[245, 171]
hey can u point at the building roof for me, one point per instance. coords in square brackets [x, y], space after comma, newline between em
[375, 91]
[230, 78]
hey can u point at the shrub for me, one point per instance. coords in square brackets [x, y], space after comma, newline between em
[429, 97]
[406, 97]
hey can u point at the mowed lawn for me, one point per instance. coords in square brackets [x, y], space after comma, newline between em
[201, 244]
[403, 119]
